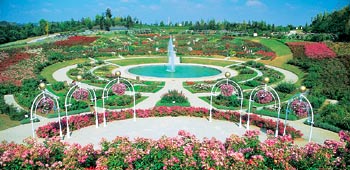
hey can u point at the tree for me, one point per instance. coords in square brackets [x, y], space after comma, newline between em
[108, 20]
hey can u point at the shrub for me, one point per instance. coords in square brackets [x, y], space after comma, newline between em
[57, 86]
[173, 96]
[252, 83]
[285, 87]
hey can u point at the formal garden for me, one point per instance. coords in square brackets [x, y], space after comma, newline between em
[281, 88]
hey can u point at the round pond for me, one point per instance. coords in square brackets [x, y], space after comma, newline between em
[181, 71]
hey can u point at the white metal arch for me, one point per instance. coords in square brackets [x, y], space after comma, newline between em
[276, 99]
[105, 96]
[310, 111]
[68, 103]
[44, 94]
[238, 91]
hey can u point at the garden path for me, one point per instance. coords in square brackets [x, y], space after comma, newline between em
[10, 100]
[61, 75]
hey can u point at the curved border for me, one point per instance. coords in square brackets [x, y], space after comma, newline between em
[127, 74]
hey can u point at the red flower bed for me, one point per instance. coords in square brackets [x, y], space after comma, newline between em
[76, 40]
[196, 52]
[265, 53]
[8, 62]
[80, 121]
[318, 51]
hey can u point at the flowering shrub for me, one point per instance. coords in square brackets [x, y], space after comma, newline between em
[318, 51]
[184, 151]
[226, 89]
[119, 88]
[311, 50]
[300, 108]
[80, 121]
[81, 94]
[45, 105]
[263, 97]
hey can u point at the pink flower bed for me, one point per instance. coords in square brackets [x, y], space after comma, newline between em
[311, 50]
[318, 51]
[184, 151]
[81, 121]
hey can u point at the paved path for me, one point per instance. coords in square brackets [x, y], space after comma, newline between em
[61, 75]
[155, 128]
[10, 100]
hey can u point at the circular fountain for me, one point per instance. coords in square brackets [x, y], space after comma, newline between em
[173, 69]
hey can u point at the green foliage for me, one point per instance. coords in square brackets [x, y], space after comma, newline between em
[252, 83]
[285, 87]
[270, 113]
[173, 96]
[228, 101]
[58, 86]
[336, 115]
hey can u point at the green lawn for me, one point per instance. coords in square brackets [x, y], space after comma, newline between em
[102, 71]
[48, 71]
[221, 63]
[6, 122]
[135, 61]
[278, 47]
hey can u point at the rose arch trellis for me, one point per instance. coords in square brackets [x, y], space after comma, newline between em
[45, 101]
[234, 89]
[300, 105]
[77, 89]
[264, 94]
[116, 86]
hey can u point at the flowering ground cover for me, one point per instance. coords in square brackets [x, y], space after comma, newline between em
[80, 121]
[76, 40]
[184, 151]
[311, 50]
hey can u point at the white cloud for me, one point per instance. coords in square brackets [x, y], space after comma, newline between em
[254, 3]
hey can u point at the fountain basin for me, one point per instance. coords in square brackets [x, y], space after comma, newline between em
[182, 71]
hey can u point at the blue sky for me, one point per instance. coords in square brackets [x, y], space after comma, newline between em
[278, 12]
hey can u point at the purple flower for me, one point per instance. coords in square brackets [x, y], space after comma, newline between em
[300, 108]
[45, 105]
[226, 89]
[119, 88]
[80, 94]
[264, 96]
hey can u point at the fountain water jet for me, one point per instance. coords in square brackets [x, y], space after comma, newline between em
[171, 56]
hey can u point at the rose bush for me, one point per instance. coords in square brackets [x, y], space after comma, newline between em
[119, 88]
[226, 89]
[263, 97]
[184, 151]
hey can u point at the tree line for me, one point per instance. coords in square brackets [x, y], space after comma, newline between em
[337, 22]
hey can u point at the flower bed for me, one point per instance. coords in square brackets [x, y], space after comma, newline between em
[81, 121]
[184, 151]
[318, 51]
[311, 50]
[76, 40]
